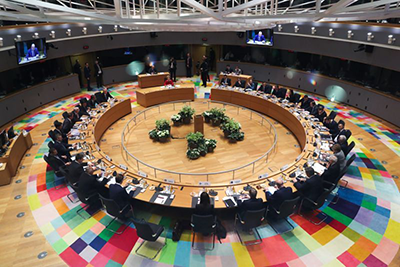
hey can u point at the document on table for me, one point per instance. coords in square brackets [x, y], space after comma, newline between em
[318, 168]
[161, 199]
[271, 189]
[75, 132]
[129, 188]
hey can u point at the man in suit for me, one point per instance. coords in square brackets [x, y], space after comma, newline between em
[58, 130]
[239, 83]
[263, 87]
[228, 69]
[281, 194]
[251, 85]
[92, 103]
[341, 131]
[83, 108]
[55, 161]
[332, 125]
[98, 68]
[152, 69]
[32, 53]
[76, 115]
[120, 196]
[321, 113]
[78, 70]
[253, 203]
[189, 65]
[67, 124]
[311, 188]
[225, 81]
[342, 141]
[313, 108]
[305, 102]
[238, 71]
[331, 174]
[63, 149]
[75, 169]
[105, 95]
[89, 185]
[204, 71]
[172, 69]
[259, 37]
[87, 74]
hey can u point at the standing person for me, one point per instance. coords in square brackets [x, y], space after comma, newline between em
[189, 65]
[208, 69]
[172, 69]
[204, 71]
[98, 68]
[78, 70]
[87, 73]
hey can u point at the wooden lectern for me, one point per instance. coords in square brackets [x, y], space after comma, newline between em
[198, 124]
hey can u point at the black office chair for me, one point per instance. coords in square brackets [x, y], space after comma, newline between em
[316, 205]
[113, 209]
[50, 144]
[52, 135]
[205, 225]
[297, 98]
[88, 201]
[286, 209]
[332, 115]
[99, 97]
[149, 232]
[350, 148]
[75, 188]
[347, 133]
[59, 172]
[250, 220]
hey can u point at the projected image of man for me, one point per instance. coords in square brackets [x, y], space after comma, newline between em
[259, 37]
[33, 53]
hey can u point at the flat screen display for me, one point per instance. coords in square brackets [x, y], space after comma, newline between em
[30, 51]
[260, 37]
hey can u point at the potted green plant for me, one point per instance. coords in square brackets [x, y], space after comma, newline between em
[163, 135]
[217, 116]
[207, 116]
[211, 144]
[187, 114]
[236, 136]
[162, 124]
[153, 134]
[230, 126]
[203, 149]
[194, 139]
[176, 119]
[193, 153]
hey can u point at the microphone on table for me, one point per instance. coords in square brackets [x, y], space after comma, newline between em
[247, 187]
[159, 188]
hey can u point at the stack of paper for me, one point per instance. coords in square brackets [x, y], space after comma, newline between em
[161, 199]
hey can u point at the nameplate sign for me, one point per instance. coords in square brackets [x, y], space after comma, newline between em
[123, 167]
[204, 183]
[263, 176]
[284, 167]
[237, 181]
[170, 181]
[108, 158]
[298, 158]
[143, 174]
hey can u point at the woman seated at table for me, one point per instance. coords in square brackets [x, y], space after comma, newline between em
[204, 207]
[168, 81]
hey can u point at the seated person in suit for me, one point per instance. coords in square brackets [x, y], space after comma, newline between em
[331, 174]
[92, 103]
[76, 115]
[275, 90]
[75, 169]
[67, 124]
[321, 113]
[55, 160]
[152, 70]
[290, 96]
[311, 188]
[281, 194]
[204, 207]
[120, 196]
[58, 130]
[342, 141]
[105, 95]
[228, 69]
[238, 71]
[89, 185]
[168, 81]
[305, 102]
[225, 81]
[332, 125]
[251, 85]
[259, 37]
[83, 108]
[240, 83]
[313, 108]
[263, 87]
[253, 203]
[341, 131]
[341, 158]
[63, 149]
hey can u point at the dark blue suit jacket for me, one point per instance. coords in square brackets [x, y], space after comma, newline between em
[250, 204]
[31, 53]
[280, 195]
[119, 195]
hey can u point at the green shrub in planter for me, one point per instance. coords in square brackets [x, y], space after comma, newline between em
[236, 136]
[176, 119]
[162, 124]
[194, 139]
[193, 153]
[211, 144]
[203, 149]
[153, 134]
[217, 116]
[207, 116]
[231, 126]
[187, 114]
[163, 135]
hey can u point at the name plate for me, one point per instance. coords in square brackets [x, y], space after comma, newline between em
[237, 181]
[263, 176]
[205, 183]
[299, 157]
[170, 181]
[108, 158]
[143, 174]
[284, 167]
[123, 167]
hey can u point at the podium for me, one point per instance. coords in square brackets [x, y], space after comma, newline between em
[199, 124]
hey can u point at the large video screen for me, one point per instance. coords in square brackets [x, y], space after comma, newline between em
[30, 51]
[260, 37]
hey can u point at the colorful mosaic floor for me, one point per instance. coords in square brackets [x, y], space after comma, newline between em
[363, 228]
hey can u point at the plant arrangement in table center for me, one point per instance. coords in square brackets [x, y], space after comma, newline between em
[198, 145]
[176, 119]
[215, 115]
[162, 131]
[231, 129]
[186, 114]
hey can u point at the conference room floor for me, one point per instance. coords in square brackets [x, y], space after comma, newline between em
[363, 228]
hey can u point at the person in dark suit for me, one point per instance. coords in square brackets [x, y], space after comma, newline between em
[225, 81]
[89, 185]
[251, 85]
[63, 149]
[263, 87]
[253, 203]
[321, 113]
[189, 65]
[281, 194]
[290, 96]
[274, 91]
[204, 71]
[76, 115]
[311, 188]
[228, 69]
[105, 95]
[331, 174]
[305, 102]
[204, 207]
[58, 130]
[75, 169]
[83, 109]
[152, 69]
[332, 125]
[172, 69]
[120, 196]
[33, 52]
[87, 74]
[78, 70]
[342, 141]
[98, 68]
[341, 131]
[313, 108]
[92, 103]
[55, 161]
[240, 83]
[67, 124]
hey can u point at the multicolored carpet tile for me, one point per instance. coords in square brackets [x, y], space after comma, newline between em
[362, 229]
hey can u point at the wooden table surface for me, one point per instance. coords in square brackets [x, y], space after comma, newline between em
[157, 95]
[151, 80]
